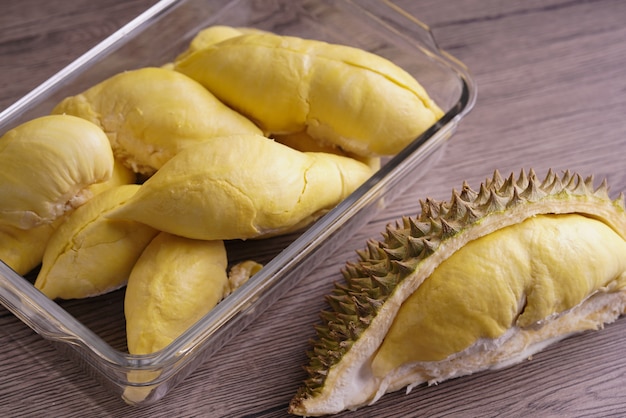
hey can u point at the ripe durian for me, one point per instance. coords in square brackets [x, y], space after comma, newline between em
[47, 165]
[338, 94]
[480, 282]
[150, 114]
[240, 187]
[90, 254]
[212, 35]
[241, 273]
[22, 249]
[174, 283]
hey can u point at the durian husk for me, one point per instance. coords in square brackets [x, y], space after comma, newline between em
[363, 308]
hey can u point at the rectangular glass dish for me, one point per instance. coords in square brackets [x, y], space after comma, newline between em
[154, 38]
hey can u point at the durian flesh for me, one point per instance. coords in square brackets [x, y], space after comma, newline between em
[175, 282]
[89, 254]
[47, 166]
[242, 187]
[23, 249]
[212, 35]
[479, 282]
[339, 95]
[150, 114]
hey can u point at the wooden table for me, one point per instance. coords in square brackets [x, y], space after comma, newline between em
[552, 83]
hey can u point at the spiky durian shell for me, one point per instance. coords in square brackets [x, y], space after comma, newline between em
[423, 242]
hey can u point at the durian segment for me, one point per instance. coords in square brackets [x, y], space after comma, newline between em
[22, 249]
[212, 35]
[240, 187]
[351, 362]
[174, 283]
[90, 254]
[151, 114]
[241, 273]
[337, 94]
[517, 276]
[48, 163]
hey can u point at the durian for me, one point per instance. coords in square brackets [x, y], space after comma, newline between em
[47, 165]
[212, 35]
[481, 281]
[175, 282]
[150, 114]
[241, 187]
[241, 273]
[90, 254]
[340, 95]
[23, 249]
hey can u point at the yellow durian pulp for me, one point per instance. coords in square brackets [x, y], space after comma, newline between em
[174, 283]
[242, 186]
[515, 277]
[89, 254]
[151, 114]
[212, 35]
[23, 249]
[337, 94]
[47, 165]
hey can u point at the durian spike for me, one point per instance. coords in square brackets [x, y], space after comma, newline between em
[522, 180]
[467, 194]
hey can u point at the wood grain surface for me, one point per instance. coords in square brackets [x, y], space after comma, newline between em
[551, 76]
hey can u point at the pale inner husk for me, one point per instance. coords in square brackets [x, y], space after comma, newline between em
[360, 387]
